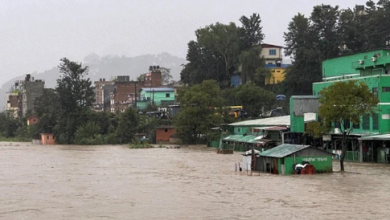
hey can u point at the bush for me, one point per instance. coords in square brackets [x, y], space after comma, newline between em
[136, 144]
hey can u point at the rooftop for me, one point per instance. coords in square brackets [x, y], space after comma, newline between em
[274, 121]
[283, 150]
[160, 89]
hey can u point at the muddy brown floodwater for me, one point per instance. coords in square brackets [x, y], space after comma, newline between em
[114, 182]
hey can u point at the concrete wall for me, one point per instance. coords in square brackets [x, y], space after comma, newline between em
[31, 91]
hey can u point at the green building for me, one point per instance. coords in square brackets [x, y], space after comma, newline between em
[259, 134]
[373, 69]
[162, 97]
[283, 158]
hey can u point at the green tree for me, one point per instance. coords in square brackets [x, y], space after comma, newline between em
[253, 66]
[305, 63]
[128, 124]
[203, 64]
[76, 95]
[166, 76]
[48, 110]
[353, 31]
[356, 101]
[251, 33]
[198, 112]
[256, 100]
[223, 40]
[8, 125]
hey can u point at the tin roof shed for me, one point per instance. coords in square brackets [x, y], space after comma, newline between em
[283, 150]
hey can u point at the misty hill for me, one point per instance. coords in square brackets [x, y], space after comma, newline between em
[106, 67]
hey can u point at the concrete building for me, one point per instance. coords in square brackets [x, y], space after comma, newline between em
[126, 93]
[98, 105]
[369, 140]
[12, 106]
[27, 91]
[161, 97]
[272, 54]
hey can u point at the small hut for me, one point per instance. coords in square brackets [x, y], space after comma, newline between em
[47, 139]
[283, 158]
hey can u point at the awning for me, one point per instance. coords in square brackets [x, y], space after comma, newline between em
[382, 137]
[243, 138]
[275, 128]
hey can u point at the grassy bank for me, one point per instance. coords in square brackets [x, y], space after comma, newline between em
[14, 139]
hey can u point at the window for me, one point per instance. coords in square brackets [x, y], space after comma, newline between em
[272, 52]
[166, 129]
[356, 126]
[375, 91]
[375, 121]
[167, 95]
[48, 137]
[385, 89]
[366, 122]
[347, 124]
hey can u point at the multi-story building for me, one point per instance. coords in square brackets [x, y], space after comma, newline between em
[125, 93]
[369, 140]
[273, 56]
[272, 53]
[161, 97]
[23, 94]
[98, 105]
[30, 90]
[12, 107]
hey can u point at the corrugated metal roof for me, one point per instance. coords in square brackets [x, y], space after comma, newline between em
[161, 89]
[273, 121]
[242, 138]
[283, 150]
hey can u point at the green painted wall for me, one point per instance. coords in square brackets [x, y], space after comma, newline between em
[379, 82]
[241, 130]
[348, 65]
[158, 96]
[321, 163]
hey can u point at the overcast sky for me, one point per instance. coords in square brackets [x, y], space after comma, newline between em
[36, 34]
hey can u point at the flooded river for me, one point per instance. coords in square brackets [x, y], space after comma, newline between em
[114, 182]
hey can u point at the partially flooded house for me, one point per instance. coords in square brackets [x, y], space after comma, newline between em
[259, 134]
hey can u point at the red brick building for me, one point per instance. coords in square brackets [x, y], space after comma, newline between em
[125, 95]
[32, 120]
[126, 92]
[163, 133]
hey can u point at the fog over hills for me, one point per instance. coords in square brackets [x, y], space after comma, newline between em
[106, 67]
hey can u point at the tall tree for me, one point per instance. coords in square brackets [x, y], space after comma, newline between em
[356, 101]
[324, 26]
[251, 33]
[76, 95]
[75, 91]
[305, 64]
[353, 31]
[127, 126]
[203, 64]
[222, 40]
[166, 76]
